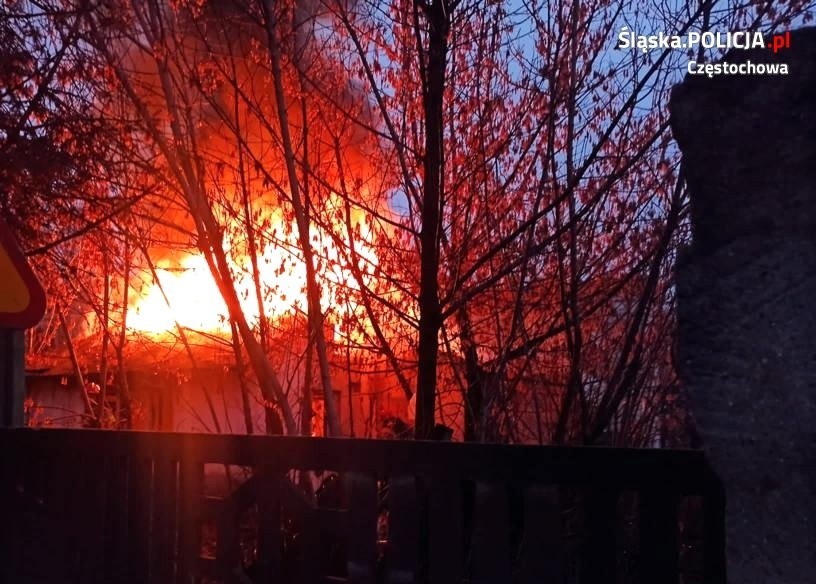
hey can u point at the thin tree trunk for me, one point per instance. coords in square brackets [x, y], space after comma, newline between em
[103, 361]
[252, 246]
[306, 411]
[124, 388]
[315, 314]
[77, 369]
[241, 370]
[365, 298]
[348, 381]
[474, 381]
[430, 310]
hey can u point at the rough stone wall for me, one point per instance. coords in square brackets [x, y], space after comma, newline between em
[747, 303]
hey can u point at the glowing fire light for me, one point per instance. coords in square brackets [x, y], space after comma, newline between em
[194, 301]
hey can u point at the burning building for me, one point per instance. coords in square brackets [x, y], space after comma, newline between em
[246, 254]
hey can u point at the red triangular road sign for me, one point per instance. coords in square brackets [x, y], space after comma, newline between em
[22, 299]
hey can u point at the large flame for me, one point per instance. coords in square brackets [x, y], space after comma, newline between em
[186, 293]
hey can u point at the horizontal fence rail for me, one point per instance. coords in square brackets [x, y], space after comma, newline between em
[122, 506]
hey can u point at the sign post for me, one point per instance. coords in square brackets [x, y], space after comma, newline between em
[22, 305]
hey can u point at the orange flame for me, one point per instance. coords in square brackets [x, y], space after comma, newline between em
[187, 294]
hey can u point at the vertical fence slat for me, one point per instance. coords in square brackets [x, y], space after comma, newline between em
[58, 508]
[445, 530]
[361, 552]
[191, 499]
[314, 548]
[269, 525]
[403, 530]
[164, 520]
[9, 523]
[116, 524]
[27, 538]
[542, 545]
[490, 548]
[72, 518]
[600, 550]
[228, 551]
[658, 536]
[140, 511]
[91, 509]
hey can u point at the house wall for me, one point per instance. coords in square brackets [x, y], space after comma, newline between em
[54, 400]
